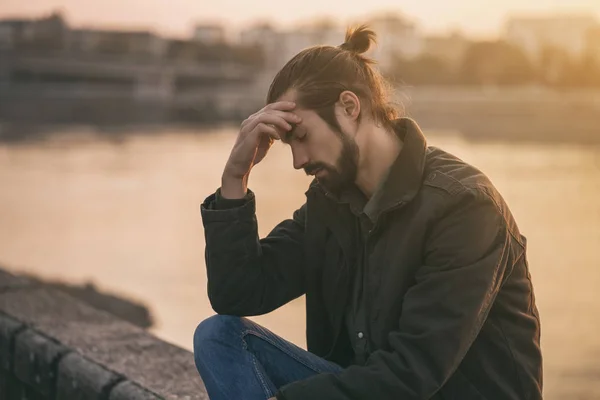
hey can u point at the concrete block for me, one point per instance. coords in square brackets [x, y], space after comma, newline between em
[127, 390]
[36, 360]
[8, 330]
[12, 388]
[81, 379]
[24, 392]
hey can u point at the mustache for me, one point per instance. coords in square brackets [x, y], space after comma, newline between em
[312, 168]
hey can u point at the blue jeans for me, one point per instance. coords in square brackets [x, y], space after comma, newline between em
[239, 359]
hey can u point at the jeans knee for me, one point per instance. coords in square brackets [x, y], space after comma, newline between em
[217, 327]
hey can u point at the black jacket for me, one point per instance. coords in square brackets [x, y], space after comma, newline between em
[450, 302]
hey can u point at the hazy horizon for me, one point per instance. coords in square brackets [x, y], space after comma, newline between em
[177, 17]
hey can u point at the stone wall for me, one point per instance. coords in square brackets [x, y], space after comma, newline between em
[55, 347]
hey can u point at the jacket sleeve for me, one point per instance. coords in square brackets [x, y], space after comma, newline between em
[247, 275]
[464, 263]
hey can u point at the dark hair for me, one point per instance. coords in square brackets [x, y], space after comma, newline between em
[320, 74]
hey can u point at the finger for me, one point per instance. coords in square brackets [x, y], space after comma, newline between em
[251, 117]
[266, 129]
[289, 116]
[277, 106]
[266, 118]
[248, 120]
[281, 106]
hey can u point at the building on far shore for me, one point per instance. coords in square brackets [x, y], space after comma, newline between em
[397, 36]
[132, 43]
[11, 30]
[209, 34]
[280, 46]
[566, 33]
[48, 32]
[52, 33]
[449, 48]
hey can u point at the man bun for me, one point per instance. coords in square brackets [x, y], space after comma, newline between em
[358, 39]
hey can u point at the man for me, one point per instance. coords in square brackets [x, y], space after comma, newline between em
[414, 270]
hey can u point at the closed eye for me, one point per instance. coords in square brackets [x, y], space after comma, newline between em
[294, 134]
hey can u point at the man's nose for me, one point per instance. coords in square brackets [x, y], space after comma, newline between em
[300, 158]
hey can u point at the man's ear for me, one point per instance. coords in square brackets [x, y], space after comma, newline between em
[349, 105]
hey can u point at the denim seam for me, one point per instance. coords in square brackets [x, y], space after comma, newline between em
[290, 354]
[263, 383]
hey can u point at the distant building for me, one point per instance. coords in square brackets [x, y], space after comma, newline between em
[280, 46]
[44, 33]
[51, 26]
[396, 37]
[328, 33]
[137, 43]
[85, 40]
[565, 33]
[12, 30]
[301, 38]
[209, 34]
[265, 37]
[448, 48]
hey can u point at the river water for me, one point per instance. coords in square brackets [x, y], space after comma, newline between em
[125, 215]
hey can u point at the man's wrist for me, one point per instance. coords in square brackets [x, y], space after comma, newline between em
[233, 188]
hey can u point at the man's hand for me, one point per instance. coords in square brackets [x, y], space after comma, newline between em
[254, 140]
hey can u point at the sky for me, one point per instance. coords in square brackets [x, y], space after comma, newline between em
[177, 17]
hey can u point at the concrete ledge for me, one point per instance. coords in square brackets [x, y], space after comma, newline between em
[64, 349]
[4, 386]
[130, 391]
[15, 389]
[35, 361]
[80, 379]
[9, 328]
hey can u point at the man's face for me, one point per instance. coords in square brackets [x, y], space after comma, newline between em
[330, 155]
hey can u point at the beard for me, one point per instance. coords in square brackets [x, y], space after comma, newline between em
[341, 175]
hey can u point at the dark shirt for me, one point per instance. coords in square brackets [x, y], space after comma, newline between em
[356, 312]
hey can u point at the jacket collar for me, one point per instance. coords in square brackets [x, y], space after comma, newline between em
[403, 180]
